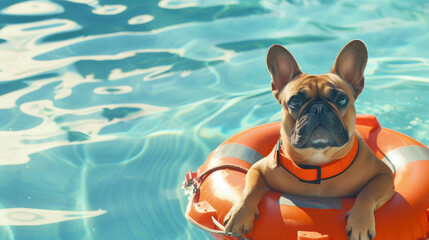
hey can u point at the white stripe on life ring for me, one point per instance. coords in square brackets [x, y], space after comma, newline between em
[400, 157]
[310, 202]
[239, 151]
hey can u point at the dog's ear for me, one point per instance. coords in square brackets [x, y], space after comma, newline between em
[283, 68]
[350, 65]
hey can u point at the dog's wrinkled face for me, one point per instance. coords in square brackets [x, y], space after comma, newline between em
[317, 105]
[318, 110]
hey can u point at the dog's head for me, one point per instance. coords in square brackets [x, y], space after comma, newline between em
[318, 111]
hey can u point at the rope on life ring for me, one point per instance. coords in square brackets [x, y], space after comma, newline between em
[192, 184]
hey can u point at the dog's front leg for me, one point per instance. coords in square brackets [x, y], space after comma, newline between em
[240, 218]
[360, 219]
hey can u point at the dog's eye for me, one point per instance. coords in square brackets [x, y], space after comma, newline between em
[342, 101]
[293, 102]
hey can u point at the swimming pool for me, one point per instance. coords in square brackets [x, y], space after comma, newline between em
[105, 105]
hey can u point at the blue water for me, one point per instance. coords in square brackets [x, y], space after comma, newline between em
[105, 105]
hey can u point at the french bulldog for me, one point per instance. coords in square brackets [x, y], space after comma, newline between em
[318, 121]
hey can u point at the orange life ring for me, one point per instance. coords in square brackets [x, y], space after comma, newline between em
[221, 179]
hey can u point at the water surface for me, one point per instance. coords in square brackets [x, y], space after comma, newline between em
[105, 105]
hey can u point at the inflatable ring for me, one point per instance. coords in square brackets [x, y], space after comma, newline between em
[220, 181]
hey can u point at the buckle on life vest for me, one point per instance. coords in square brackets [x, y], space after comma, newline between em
[192, 182]
[319, 174]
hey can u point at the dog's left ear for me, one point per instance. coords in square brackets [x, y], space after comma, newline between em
[350, 65]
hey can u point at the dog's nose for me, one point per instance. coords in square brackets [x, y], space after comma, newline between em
[319, 108]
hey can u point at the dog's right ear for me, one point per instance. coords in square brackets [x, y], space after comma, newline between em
[283, 68]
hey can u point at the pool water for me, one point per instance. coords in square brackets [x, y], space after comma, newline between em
[105, 105]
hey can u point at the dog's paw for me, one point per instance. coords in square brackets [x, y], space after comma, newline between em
[360, 224]
[240, 218]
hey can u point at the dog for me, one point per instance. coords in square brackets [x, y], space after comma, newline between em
[318, 121]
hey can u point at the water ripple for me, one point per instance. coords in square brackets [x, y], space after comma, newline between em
[141, 19]
[33, 8]
[62, 127]
[113, 90]
[31, 217]
[177, 4]
[109, 9]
